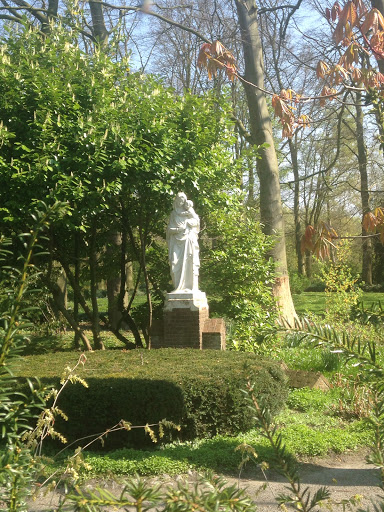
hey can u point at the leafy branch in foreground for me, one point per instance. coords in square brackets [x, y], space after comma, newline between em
[208, 494]
[284, 462]
[17, 464]
[364, 354]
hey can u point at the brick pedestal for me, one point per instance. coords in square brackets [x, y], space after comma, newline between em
[186, 324]
[183, 328]
[184, 316]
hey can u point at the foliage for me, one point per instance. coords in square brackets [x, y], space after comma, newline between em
[215, 57]
[299, 283]
[306, 399]
[318, 240]
[371, 314]
[238, 271]
[115, 145]
[317, 431]
[209, 493]
[17, 463]
[364, 355]
[373, 222]
[342, 292]
[205, 402]
[302, 499]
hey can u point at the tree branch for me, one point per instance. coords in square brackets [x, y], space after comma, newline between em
[159, 16]
[37, 12]
[242, 129]
[284, 27]
[263, 10]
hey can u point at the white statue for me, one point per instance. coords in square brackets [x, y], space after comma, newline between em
[183, 245]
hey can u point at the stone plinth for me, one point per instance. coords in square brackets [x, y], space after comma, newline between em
[194, 301]
[304, 379]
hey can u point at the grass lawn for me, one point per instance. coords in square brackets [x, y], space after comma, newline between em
[314, 302]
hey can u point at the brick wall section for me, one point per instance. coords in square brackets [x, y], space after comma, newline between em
[213, 335]
[183, 328]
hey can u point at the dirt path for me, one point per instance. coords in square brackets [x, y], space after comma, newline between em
[345, 475]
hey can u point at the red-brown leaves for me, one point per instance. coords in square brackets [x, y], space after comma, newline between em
[318, 240]
[327, 93]
[322, 69]
[214, 57]
[350, 57]
[333, 14]
[285, 112]
[354, 20]
[373, 222]
[373, 21]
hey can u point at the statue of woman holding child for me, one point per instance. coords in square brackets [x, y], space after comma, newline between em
[183, 246]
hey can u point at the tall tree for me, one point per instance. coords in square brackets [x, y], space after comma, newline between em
[271, 212]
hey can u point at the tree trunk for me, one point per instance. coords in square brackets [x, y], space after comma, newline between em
[296, 206]
[98, 344]
[366, 273]
[62, 288]
[146, 329]
[99, 29]
[56, 293]
[76, 299]
[116, 281]
[53, 6]
[308, 264]
[271, 211]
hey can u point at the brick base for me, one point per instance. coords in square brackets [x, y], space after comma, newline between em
[183, 328]
[213, 335]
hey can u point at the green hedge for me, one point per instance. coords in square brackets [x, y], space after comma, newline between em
[200, 390]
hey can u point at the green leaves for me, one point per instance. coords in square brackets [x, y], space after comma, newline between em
[241, 275]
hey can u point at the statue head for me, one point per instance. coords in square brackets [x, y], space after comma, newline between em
[180, 201]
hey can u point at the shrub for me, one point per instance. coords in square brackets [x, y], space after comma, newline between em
[342, 291]
[298, 282]
[200, 390]
[238, 274]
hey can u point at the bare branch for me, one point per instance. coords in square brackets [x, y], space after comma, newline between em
[263, 10]
[284, 27]
[242, 129]
[37, 12]
[163, 7]
[123, 8]
[10, 18]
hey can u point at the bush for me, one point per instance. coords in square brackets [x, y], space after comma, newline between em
[200, 390]
[238, 275]
[298, 282]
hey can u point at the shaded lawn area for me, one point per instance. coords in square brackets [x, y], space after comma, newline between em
[314, 302]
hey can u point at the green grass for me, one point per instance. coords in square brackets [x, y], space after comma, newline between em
[314, 430]
[314, 302]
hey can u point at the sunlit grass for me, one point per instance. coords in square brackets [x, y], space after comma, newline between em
[314, 302]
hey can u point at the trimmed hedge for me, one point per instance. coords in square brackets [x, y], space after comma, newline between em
[199, 390]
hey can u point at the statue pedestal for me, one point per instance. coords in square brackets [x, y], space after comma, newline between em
[184, 316]
[186, 323]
